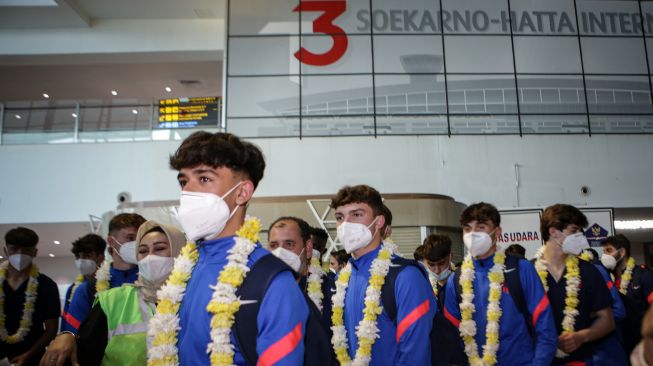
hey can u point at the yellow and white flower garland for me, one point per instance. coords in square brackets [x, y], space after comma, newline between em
[467, 325]
[572, 279]
[103, 277]
[367, 330]
[224, 304]
[434, 284]
[28, 306]
[627, 276]
[315, 274]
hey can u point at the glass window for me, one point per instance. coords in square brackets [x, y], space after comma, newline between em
[484, 124]
[263, 55]
[567, 124]
[350, 17]
[410, 94]
[614, 18]
[647, 10]
[264, 127]
[618, 94]
[543, 17]
[337, 95]
[482, 94]
[412, 125]
[116, 118]
[547, 55]
[475, 16]
[478, 54]
[48, 119]
[406, 16]
[622, 124]
[265, 96]
[408, 54]
[356, 59]
[551, 94]
[248, 17]
[614, 55]
[338, 126]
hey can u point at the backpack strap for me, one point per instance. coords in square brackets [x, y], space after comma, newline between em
[253, 288]
[388, 298]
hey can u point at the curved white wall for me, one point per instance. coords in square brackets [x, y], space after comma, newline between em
[60, 183]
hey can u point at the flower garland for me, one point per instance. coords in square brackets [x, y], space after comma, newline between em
[367, 330]
[572, 278]
[315, 274]
[28, 306]
[587, 256]
[468, 325]
[434, 284]
[103, 277]
[78, 281]
[224, 304]
[627, 276]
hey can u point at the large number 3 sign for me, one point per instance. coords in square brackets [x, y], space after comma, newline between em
[324, 24]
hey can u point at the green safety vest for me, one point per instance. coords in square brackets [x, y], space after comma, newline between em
[127, 318]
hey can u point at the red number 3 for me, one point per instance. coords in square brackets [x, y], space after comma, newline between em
[324, 24]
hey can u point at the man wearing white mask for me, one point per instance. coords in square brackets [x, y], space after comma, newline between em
[377, 292]
[218, 173]
[291, 241]
[89, 255]
[29, 301]
[578, 294]
[633, 281]
[496, 301]
[119, 270]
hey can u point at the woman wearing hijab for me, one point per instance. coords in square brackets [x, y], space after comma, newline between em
[115, 331]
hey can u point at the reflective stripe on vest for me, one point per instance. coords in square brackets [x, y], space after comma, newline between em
[123, 329]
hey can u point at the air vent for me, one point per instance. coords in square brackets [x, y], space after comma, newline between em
[189, 82]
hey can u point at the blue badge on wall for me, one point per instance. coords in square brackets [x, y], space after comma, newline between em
[595, 234]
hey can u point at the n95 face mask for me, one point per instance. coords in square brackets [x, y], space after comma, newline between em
[477, 243]
[290, 258]
[354, 236]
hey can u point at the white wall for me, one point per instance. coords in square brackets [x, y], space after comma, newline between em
[59, 183]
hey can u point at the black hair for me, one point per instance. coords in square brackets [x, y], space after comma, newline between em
[618, 241]
[22, 237]
[89, 243]
[436, 247]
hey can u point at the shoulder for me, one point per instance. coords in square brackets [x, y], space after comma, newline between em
[406, 269]
[46, 282]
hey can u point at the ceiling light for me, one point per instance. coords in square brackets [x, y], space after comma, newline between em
[113, 92]
[134, 111]
[51, 255]
[57, 242]
[1, 257]
[633, 224]
[46, 96]
[74, 115]
[168, 89]
[18, 116]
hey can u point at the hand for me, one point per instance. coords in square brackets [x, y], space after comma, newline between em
[21, 360]
[60, 349]
[570, 342]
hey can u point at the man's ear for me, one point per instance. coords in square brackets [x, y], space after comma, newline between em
[245, 192]
[497, 233]
[552, 232]
[380, 222]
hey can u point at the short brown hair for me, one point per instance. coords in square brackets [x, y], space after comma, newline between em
[560, 216]
[481, 212]
[436, 247]
[617, 241]
[360, 194]
[125, 220]
[418, 254]
[220, 150]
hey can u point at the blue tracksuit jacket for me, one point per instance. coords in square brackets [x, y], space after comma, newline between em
[609, 351]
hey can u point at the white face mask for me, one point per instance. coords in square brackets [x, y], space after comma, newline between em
[443, 275]
[204, 215]
[20, 261]
[608, 261]
[85, 266]
[354, 236]
[127, 251]
[575, 243]
[291, 259]
[477, 242]
[155, 268]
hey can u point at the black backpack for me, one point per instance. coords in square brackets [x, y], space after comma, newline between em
[317, 343]
[632, 323]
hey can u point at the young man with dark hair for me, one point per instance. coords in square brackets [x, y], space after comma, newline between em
[121, 269]
[89, 255]
[24, 334]
[437, 260]
[218, 173]
[405, 300]
[516, 250]
[418, 254]
[522, 332]
[320, 239]
[338, 260]
[290, 240]
[569, 280]
[634, 282]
